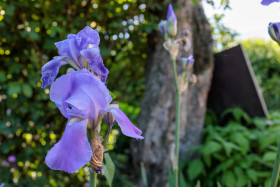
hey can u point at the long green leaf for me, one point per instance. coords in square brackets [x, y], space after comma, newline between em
[109, 168]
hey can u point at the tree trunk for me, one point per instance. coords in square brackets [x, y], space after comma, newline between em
[157, 116]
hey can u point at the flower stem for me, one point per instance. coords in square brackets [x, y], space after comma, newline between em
[177, 123]
[92, 174]
[276, 167]
[93, 177]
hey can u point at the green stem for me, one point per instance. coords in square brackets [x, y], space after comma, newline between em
[93, 177]
[177, 123]
[276, 167]
[92, 174]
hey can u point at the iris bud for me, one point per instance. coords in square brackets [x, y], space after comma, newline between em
[171, 21]
[187, 63]
[273, 30]
[162, 26]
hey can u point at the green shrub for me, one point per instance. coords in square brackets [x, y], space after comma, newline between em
[241, 153]
[265, 58]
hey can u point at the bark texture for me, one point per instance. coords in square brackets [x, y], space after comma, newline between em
[157, 116]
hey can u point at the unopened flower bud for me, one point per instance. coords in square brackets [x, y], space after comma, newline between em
[273, 30]
[187, 63]
[171, 21]
[162, 26]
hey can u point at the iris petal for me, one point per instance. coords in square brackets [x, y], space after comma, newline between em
[84, 91]
[95, 62]
[268, 2]
[81, 105]
[125, 124]
[60, 91]
[89, 36]
[94, 88]
[73, 150]
[70, 49]
[50, 70]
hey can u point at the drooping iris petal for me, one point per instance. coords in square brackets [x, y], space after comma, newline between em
[50, 70]
[73, 150]
[268, 2]
[125, 124]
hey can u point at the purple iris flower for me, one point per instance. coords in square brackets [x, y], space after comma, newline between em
[268, 2]
[274, 31]
[83, 99]
[172, 21]
[80, 51]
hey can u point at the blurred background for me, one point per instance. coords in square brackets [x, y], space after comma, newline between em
[30, 124]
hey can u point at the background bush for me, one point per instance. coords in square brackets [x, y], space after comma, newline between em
[241, 153]
[265, 58]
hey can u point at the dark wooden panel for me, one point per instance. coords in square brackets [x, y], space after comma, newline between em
[234, 84]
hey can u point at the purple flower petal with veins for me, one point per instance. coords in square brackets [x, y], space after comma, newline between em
[80, 94]
[95, 62]
[50, 70]
[268, 2]
[125, 124]
[73, 150]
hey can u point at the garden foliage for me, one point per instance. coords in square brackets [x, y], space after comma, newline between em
[240, 153]
[29, 124]
[265, 59]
